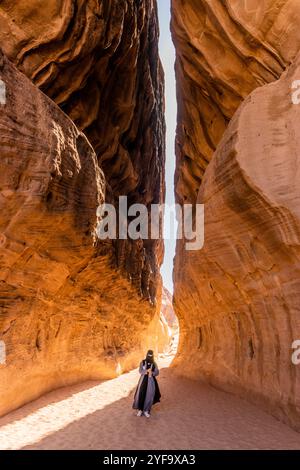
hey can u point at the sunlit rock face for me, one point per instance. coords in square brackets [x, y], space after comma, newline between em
[238, 298]
[72, 307]
[224, 50]
[98, 60]
[167, 307]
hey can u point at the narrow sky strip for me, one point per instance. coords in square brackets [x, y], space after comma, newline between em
[167, 54]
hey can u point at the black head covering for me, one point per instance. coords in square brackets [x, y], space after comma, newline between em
[150, 356]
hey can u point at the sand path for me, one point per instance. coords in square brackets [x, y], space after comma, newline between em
[97, 415]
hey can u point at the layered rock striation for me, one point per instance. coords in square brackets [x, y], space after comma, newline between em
[73, 307]
[98, 60]
[224, 50]
[237, 299]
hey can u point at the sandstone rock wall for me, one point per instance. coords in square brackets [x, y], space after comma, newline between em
[72, 308]
[238, 298]
[224, 50]
[167, 308]
[98, 60]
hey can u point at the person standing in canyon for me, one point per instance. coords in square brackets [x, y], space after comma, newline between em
[147, 392]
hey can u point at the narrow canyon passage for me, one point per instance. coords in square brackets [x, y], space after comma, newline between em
[97, 416]
[75, 308]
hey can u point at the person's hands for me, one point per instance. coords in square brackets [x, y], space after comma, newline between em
[150, 372]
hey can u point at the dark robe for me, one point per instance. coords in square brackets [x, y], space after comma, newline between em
[147, 392]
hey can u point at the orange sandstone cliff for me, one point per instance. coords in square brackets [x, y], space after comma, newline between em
[83, 123]
[238, 153]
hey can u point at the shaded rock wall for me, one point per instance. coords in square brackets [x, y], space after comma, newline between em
[74, 308]
[237, 299]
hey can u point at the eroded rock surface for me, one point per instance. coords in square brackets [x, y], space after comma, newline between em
[240, 307]
[73, 308]
[98, 60]
[237, 298]
[66, 313]
[167, 307]
[224, 50]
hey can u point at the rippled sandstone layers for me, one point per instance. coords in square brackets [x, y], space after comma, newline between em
[98, 60]
[224, 50]
[238, 298]
[73, 308]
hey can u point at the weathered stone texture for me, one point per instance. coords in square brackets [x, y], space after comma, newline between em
[98, 60]
[238, 298]
[224, 50]
[73, 308]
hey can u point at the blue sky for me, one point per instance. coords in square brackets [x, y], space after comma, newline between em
[167, 54]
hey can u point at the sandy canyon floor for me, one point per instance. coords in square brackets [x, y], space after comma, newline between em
[97, 415]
